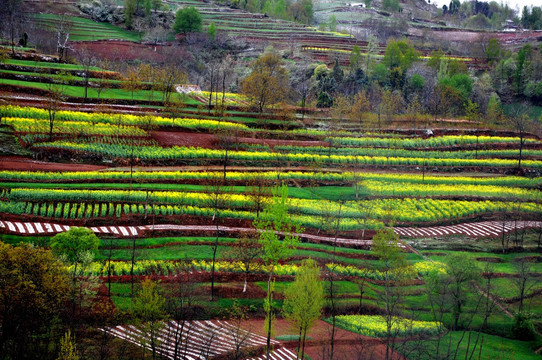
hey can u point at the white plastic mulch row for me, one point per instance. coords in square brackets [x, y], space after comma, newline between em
[35, 228]
[198, 339]
[480, 229]
[280, 354]
[44, 228]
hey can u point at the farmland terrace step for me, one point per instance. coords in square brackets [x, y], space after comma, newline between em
[38, 228]
[479, 229]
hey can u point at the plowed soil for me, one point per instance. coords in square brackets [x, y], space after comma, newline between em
[181, 138]
[348, 345]
[22, 163]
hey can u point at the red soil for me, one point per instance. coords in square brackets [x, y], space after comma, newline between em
[118, 50]
[180, 138]
[348, 345]
[22, 163]
[173, 138]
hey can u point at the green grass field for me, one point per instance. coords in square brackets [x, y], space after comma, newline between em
[86, 29]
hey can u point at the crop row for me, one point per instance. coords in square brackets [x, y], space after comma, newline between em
[109, 210]
[168, 267]
[394, 152]
[376, 326]
[72, 127]
[313, 213]
[437, 141]
[189, 153]
[383, 188]
[119, 119]
[267, 175]
[419, 269]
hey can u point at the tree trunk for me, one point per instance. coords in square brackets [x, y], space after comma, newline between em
[215, 247]
[246, 280]
[303, 344]
[132, 267]
[521, 142]
[269, 315]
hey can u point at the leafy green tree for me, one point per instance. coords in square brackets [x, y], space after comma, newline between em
[75, 244]
[461, 273]
[381, 74]
[304, 301]
[460, 82]
[148, 8]
[493, 50]
[129, 10]
[187, 20]
[302, 11]
[391, 5]
[332, 23]
[522, 56]
[454, 6]
[356, 58]
[417, 82]
[211, 31]
[149, 310]
[400, 53]
[273, 220]
[156, 5]
[324, 100]
[33, 294]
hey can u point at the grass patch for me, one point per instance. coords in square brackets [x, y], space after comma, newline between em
[493, 347]
[117, 94]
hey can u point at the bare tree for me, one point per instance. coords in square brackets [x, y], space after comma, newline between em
[10, 16]
[55, 96]
[101, 80]
[227, 140]
[166, 79]
[132, 80]
[525, 279]
[258, 190]
[523, 125]
[86, 60]
[235, 315]
[63, 29]
[247, 251]
[180, 304]
[217, 199]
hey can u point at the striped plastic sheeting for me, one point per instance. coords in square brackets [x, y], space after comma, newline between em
[197, 339]
[480, 229]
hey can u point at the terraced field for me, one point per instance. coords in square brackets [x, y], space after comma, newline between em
[171, 198]
[82, 29]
